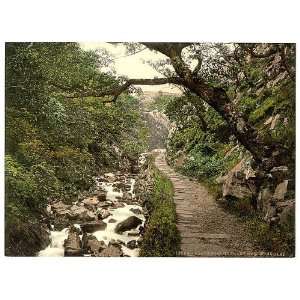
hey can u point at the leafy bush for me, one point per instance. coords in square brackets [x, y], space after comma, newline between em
[206, 161]
[161, 237]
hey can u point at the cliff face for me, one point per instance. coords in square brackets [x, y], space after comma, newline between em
[159, 126]
[157, 122]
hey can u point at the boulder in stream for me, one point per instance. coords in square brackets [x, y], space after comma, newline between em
[112, 220]
[101, 196]
[136, 211]
[90, 202]
[81, 213]
[103, 214]
[91, 227]
[73, 243]
[128, 224]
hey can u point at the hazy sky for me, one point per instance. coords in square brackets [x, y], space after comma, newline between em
[133, 66]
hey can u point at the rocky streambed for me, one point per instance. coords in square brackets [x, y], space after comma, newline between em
[109, 222]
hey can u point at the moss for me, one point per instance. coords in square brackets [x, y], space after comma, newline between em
[266, 108]
[161, 237]
[247, 104]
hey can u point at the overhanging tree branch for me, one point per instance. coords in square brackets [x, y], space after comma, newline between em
[216, 97]
[117, 91]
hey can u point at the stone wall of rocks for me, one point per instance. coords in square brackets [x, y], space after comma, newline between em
[269, 193]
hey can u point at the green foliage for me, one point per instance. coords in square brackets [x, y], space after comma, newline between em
[247, 105]
[277, 240]
[266, 108]
[161, 237]
[203, 137]
[203, 162]
[56, 144]
[207, 161]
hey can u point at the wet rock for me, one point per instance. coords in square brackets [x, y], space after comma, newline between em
[139, 241]
[116, 243]
[112, 220]
[134, 233]
[73, 243]
[110, 177]
[103, 214]
[84, 240]
[95, 247]
[142, 229]
[80, 213]
[90, 202]
[136, 211]
[118, 204]
[60, 208]
[77, 228]
[131, 244]
[91, 227]
[104, 204]
[111, 251]
[101, 196]
[120, 185]
[128, 224]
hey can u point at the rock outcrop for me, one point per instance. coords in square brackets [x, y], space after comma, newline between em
[239, 183]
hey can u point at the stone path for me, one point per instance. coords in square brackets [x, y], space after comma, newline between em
[205, 228]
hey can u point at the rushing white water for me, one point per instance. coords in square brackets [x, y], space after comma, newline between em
[119, 214]
[111, 194]
[56, 247]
